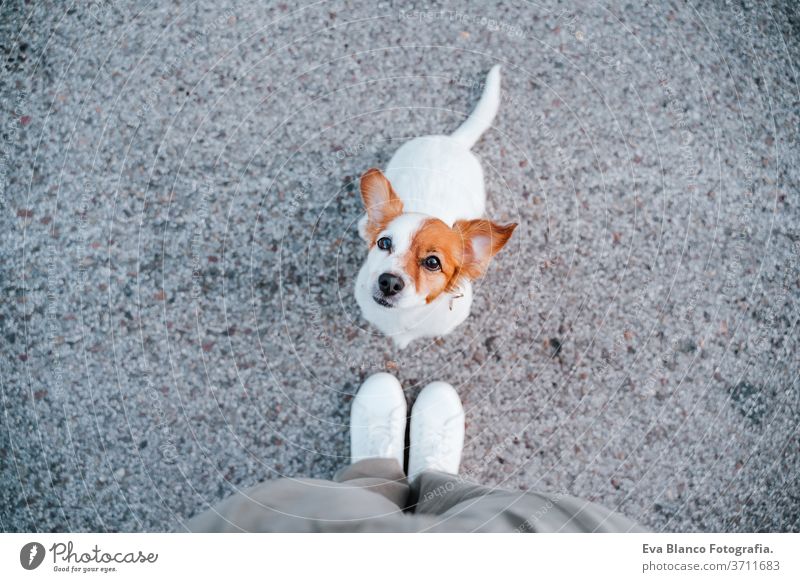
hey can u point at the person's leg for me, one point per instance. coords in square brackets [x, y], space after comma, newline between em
[382, 476]
[486, 509]
[437, 436]
[377, 439]
[368, 495]
[378, 494]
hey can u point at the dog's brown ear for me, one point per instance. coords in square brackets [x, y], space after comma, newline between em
[380, 201]
[482, 240]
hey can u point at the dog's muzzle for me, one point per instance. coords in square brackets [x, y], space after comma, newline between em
[382, 302]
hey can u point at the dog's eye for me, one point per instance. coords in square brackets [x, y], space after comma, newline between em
[385, 243]
[432, 263]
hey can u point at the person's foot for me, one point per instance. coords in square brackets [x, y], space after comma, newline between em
[378, 420]
[437, 431]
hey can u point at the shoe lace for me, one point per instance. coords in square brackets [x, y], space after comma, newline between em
[439, 446]
[382, 436]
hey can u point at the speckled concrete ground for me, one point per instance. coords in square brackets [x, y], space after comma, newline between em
[178, 251]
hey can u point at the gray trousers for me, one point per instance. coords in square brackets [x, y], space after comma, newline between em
[373, 495]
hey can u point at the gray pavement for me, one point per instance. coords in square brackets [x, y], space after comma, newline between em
[178, 251]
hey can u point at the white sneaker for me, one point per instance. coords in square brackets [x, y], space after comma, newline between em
[437, 431]
[378, 420]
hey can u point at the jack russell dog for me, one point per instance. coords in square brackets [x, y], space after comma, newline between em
[427, 235]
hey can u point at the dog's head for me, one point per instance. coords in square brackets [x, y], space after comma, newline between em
[414, 258]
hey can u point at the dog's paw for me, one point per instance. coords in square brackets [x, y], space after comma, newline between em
[401, 341]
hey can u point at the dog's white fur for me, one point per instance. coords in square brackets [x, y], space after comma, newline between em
[434, 176]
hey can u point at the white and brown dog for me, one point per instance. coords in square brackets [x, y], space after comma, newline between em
[426, 230]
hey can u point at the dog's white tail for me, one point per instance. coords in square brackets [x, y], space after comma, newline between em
[481, 118]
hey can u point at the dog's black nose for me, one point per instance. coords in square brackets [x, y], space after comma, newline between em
[390, 284]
